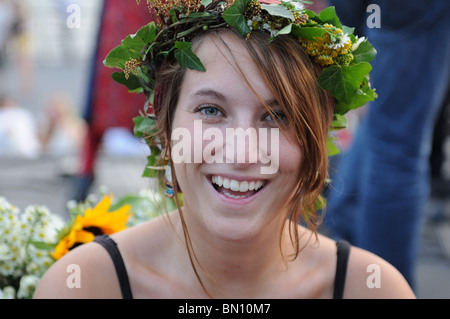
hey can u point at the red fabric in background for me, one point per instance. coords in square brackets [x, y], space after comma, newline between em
[109, 104]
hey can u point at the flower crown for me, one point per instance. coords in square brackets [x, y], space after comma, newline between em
[344, 57]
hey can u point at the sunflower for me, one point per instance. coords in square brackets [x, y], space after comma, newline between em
[95, 221]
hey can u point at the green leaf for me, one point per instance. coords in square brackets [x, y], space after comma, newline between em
[149, 32]
[234, 16]
[43, 245]
[328, 15]
[348, 30]
[361, 97]
[186, 57]
[117, 58]
[135, 201]
[309, 33]
[365, 52]
[197, 15]
[143, 126]
[278, 10]
[152, 160]
[132, 83]
[133, 46]
[206, 2]
[344, 83]
[339, 122]
[130, 47]
[331, 147]
[311, 14]
[286, 30]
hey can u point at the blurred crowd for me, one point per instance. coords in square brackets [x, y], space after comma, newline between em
[36, 119]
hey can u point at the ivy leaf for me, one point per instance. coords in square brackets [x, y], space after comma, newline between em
[362, 96]
[365, 52]
[343, 82]
[186, 57]
[328, 15]
[278, 10]
[234, 16]
[309, 33]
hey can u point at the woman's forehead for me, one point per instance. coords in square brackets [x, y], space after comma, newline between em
[229, 68]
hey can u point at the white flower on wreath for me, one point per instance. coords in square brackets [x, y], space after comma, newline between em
[254, 23]
[358, 42]
[272, 27]
[344, 40]
[297, 5]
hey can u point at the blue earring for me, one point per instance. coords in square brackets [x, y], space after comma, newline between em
[169, 186]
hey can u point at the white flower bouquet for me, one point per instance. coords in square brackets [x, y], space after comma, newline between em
[31, 241]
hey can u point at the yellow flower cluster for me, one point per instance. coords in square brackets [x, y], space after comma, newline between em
[131, 67]
[325, 49]
[163, 7]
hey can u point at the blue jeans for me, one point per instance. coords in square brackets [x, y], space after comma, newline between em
[380, 189]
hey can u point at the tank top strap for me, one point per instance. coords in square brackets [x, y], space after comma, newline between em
[111, 247]
[343, 252]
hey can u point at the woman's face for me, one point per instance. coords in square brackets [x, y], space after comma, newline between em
[231, 191]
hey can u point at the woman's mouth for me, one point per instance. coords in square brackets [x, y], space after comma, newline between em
[235, 189]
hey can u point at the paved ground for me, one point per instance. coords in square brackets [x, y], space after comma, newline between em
[43, 181]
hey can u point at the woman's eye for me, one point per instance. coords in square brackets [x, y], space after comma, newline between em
[209, 111]
[278, 116]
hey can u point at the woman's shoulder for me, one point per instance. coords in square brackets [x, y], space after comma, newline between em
[85, 272]
[370, 276]
[88, 271]
[367, 276]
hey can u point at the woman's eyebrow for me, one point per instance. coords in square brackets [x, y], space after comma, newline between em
[210, 93]
[272, 103]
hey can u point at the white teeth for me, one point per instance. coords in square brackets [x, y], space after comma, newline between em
[243, 186]
[226, 183]
[237, 186]
[234, 196]
[234, 185]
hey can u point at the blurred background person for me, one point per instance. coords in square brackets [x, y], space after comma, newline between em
[18, 130]
[440, 177]
[14, 44]
[63, 130]
[380, 189]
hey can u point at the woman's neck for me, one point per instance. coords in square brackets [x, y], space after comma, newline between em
[240, 268]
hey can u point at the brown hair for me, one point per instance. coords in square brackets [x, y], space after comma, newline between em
[292, 79]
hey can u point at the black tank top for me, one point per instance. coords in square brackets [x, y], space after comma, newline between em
[343, 252]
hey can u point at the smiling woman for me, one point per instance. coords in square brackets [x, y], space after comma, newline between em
[237, 232]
